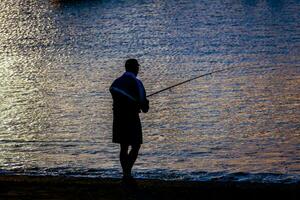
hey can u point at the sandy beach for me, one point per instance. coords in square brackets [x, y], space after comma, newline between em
[49, 187]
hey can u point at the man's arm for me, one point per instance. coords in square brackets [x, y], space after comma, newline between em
[144, 102]
[145, 106]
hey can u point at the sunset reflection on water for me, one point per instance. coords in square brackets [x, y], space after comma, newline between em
[57, 60]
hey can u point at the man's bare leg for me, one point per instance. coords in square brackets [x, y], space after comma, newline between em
[124, 160]
[133, 154]
[128, 159]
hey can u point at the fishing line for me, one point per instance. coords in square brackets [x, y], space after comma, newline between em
[186, 81]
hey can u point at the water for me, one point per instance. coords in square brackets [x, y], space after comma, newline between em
[58, 58]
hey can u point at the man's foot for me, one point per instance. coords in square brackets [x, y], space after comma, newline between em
[127, 177]
[129, 180]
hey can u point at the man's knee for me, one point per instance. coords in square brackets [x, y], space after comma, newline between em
[135, 147]
[124, 149]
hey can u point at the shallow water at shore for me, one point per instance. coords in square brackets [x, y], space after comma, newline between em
[58, 58]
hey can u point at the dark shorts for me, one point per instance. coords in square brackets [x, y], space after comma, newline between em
[127, 129]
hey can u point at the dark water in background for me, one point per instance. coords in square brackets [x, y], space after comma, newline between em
[58, 58]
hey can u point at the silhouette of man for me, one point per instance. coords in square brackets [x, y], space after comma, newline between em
[129, 99]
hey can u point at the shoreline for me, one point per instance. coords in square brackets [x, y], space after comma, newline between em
[60, 187]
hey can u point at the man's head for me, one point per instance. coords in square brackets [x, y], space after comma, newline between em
[132, 65]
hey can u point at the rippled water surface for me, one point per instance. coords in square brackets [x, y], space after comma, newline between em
[58, 58]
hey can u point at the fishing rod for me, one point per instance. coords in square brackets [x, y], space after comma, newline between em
[202, 75]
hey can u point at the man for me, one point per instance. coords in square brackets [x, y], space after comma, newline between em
[129, 99]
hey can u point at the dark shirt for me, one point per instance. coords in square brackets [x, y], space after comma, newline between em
[129, 93]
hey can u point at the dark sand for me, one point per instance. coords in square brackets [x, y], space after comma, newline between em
[41, 187]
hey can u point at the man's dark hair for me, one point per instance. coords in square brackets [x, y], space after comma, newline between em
[132, 65]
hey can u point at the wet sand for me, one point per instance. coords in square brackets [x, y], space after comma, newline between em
[49, 187]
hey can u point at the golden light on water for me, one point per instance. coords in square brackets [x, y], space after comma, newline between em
[57, 61]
